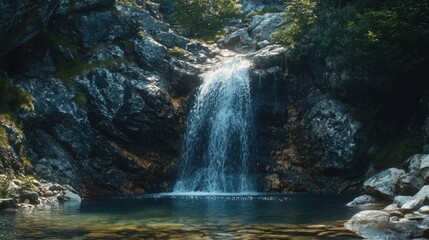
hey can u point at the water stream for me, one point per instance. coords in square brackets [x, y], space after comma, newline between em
[217, 142]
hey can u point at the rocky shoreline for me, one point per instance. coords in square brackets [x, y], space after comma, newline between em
[26, 194]
[404, 194]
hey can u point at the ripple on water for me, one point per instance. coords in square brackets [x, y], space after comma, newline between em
[191, 217]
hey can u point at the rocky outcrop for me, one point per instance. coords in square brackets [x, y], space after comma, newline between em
[258, 34]
[406, 217]
[20, 21]
[26, 194]
[110, 84]
[108, 93]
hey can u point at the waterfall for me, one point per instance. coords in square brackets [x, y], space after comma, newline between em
[217, 142]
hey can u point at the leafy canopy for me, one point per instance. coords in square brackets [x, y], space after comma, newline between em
[205, 17]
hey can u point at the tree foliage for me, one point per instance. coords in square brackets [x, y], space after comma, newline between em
[205, 17]
[363, 32]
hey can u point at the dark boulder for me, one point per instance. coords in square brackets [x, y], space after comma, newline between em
[7, 203]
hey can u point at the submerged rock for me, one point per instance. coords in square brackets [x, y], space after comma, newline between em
[364, 201]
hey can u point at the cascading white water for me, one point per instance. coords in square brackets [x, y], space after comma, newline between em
[217, 142]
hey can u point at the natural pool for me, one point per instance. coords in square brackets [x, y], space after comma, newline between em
[161, 216]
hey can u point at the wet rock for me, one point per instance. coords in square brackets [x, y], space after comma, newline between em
[201, 51]
[7, 203]
[25, 207]
[384, 183]
[238, 41]
[69, 197]
[364, 201]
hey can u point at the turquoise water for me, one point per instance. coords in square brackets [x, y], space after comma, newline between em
[162, 216]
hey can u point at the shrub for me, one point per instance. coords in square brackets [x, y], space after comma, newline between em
[176, 51]
[205, 17]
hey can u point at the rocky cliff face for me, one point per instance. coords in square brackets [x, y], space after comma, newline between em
[110, 84]
[108, 116]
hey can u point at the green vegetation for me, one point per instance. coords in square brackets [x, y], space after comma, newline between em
[397, 150]
[13, 98]
[80, 99]
[177, 52]
[359, 35]
[77, 67]
[205, 18]
[4, 138]
[4, 187]
[381, 47]
[130, 3]
[262, 12]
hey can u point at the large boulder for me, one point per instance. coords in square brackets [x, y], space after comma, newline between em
[331, 131]
[413, 181]
[417, 201]
[384, 183]
[238, 41]
[375, 224]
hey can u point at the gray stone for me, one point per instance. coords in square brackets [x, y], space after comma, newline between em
[364, 201]
[424, 210]
[171, 39]
[184, 78]
[140, 19]
[384, 183]
[70, 197]
[152, 56]
[417, 201]
[238, 41]
[262, 27]
[424, 167]
[401, 200]
[374, 224]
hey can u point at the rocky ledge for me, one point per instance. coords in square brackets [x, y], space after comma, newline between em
[405, 198]
[26, 194]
